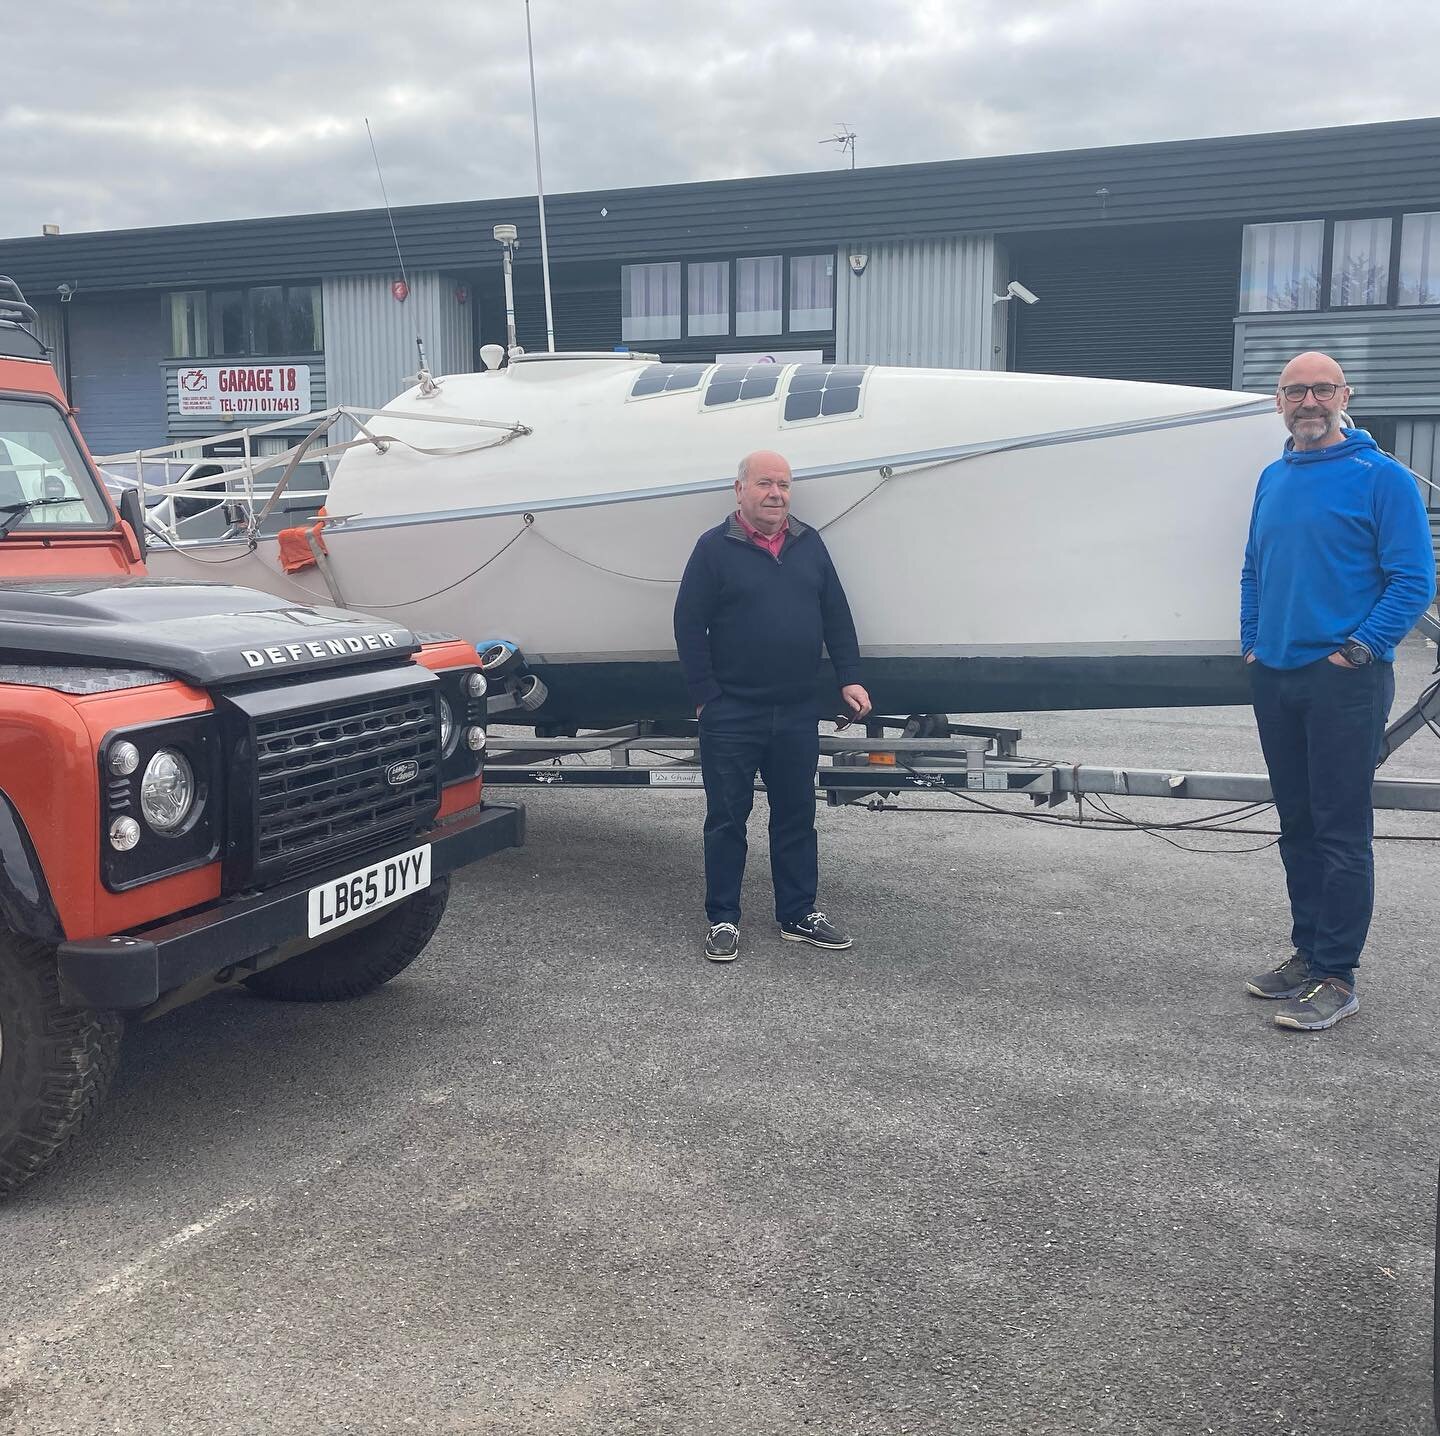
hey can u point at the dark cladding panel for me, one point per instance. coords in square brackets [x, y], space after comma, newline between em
[1150, 304]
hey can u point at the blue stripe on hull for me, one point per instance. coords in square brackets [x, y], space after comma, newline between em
[603, 694]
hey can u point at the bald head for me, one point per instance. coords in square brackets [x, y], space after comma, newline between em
[1312, 418]
[762, 490]
[1312, 367]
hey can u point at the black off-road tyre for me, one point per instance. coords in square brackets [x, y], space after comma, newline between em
[355, 963]
[56, 1061]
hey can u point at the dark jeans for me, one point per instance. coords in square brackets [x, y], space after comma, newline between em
[1320, 727]
[737, 740]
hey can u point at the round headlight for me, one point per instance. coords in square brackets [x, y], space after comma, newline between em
[124, 834]
[447, 728]
[124, 759]
[475, 739]
[167, 791]
[476, 685]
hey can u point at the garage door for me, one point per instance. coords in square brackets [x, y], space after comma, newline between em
[118, 388]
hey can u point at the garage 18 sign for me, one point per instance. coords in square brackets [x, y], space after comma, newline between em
[246, 389]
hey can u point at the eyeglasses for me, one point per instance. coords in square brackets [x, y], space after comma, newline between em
[1294, 393]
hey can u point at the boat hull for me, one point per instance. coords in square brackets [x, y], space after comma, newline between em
[1093, 573]
[1007, 542]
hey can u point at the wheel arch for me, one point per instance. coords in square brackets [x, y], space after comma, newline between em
[26, 905]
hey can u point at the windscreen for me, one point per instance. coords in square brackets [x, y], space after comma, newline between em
[40, 464]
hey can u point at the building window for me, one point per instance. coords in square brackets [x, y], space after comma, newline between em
[757, 295]
[1280, 266]
[650, 301]
[229, 333]
[270, 319]
[303, 313]
[1360, 263]
[1420, 259]
[189, 314]
[812, 291]
[709, 303]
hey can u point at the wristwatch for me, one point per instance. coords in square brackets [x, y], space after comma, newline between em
[1355, 652]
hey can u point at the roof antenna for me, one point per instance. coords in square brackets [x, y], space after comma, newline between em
[844, 136]
[427, 385]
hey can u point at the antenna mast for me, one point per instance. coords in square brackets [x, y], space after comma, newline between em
[844, 136]
[540, 188]
[427, 384]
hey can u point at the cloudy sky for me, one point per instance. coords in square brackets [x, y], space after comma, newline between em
[117, 113]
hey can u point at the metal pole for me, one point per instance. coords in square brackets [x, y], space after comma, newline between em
[510, 341]
[540, 188]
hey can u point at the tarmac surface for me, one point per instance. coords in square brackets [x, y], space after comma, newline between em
[1026, 1159]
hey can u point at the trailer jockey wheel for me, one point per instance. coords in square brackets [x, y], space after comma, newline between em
[529, 692]
[500, 660]
[927, 725]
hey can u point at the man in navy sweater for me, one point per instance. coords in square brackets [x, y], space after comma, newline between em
[758, 600]
[1338, 568]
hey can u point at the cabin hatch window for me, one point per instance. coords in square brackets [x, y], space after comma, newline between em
[812, 291]
[757, 295]
[1360, 263]
[1420, 259]
[1280, 266]
[709, 302]
[650, 301]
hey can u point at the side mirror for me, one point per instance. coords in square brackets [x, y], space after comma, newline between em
[132, 510]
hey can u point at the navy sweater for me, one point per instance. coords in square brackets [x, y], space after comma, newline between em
[1339, 548]
[752, 626]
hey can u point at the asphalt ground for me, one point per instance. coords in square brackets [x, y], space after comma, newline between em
[1027, 1159]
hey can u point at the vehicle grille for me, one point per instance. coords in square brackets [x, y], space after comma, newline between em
[322, 795]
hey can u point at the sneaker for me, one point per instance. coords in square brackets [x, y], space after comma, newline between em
[1322, 1004]
[816, 929]
[722, 942]
[1287, 980]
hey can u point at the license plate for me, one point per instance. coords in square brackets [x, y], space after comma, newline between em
[360, 893]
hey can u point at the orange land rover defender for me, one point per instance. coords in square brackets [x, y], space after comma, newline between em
[200, 785]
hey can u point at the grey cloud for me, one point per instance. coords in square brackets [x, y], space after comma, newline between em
[140, 113]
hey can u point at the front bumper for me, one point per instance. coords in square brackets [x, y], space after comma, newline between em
[130, 971]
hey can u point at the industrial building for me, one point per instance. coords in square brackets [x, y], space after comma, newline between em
[1202, 262]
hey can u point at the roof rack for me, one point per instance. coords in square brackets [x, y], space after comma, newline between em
[13, 308]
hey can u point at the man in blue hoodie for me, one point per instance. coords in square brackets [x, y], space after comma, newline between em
[1338, 568]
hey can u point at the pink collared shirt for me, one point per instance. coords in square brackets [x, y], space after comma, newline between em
[773, 544]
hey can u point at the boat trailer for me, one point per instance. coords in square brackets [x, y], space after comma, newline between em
[931, 754]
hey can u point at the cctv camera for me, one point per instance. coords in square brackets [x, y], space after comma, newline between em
[1016, 290]
[505, 233]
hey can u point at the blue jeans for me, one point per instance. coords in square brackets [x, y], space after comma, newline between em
[1320, 729]
[737, 740]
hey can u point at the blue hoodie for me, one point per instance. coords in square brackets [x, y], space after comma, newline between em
[1339, 548]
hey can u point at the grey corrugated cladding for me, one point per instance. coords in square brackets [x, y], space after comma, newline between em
[1391, 357]
[1301, 172]
[927, 302]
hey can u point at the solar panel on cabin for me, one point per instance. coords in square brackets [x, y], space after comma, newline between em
[722, 391]
[819, 390]
[761, 382]
[842, 391]
[732, 382]
[667, 379]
